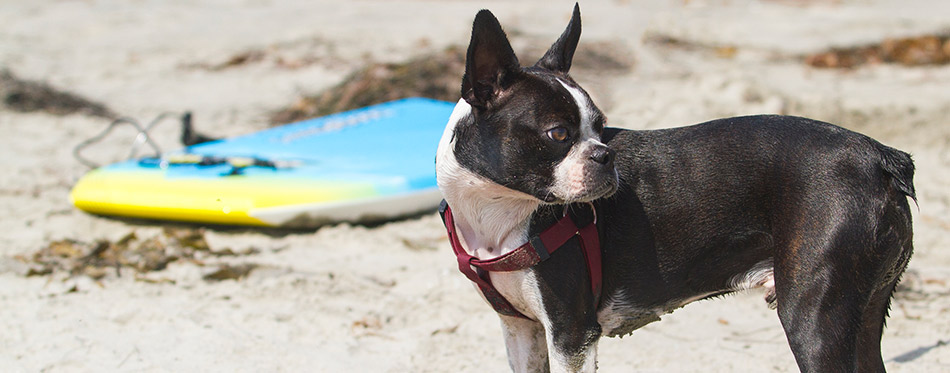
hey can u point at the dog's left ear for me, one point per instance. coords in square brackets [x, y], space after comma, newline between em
[559, 57]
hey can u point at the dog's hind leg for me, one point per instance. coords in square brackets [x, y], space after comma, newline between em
[525, 343]
[894, 248]
[872, 327]
[824, 281]
[838, 256]
[821, 331]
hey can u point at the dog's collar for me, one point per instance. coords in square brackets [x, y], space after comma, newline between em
[538, 249]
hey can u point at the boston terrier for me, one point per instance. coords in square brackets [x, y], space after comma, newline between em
[816, 214]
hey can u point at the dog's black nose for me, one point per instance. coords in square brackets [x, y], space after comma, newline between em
[602, 155]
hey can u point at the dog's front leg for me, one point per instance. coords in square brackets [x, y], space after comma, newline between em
[526, 345]
[571, 354]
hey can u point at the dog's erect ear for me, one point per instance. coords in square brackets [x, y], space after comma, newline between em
[491, 64]
[559, 57]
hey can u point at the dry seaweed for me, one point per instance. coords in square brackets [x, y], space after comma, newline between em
[436, 76]
[239, 59]
[718, 50]
[29, 96]
[911, 51]
[231, 272]
[594, 57]
[289, 55]
[100, 258]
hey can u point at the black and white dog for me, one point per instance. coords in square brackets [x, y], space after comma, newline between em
[816, 214]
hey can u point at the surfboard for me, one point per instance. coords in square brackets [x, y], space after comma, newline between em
[364, 165]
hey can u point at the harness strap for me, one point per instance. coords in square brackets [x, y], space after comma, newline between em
[590, 242]
[537, 249]
[498, 301]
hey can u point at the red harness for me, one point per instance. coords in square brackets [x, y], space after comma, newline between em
[538, 249]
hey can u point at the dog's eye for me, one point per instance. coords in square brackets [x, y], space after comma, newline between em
[559, 134]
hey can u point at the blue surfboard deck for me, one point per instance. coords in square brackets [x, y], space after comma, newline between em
[372, 163]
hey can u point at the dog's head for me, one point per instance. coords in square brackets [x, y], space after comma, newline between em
[530, 129]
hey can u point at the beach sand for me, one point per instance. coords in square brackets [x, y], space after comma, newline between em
[388, 298]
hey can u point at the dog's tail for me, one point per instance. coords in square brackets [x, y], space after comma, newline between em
[899, 167]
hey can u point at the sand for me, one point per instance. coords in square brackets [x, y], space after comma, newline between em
[388, 298]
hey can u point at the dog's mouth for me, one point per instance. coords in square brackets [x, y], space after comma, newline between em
[606, 188]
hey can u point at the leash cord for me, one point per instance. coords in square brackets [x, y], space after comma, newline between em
[141, 137]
